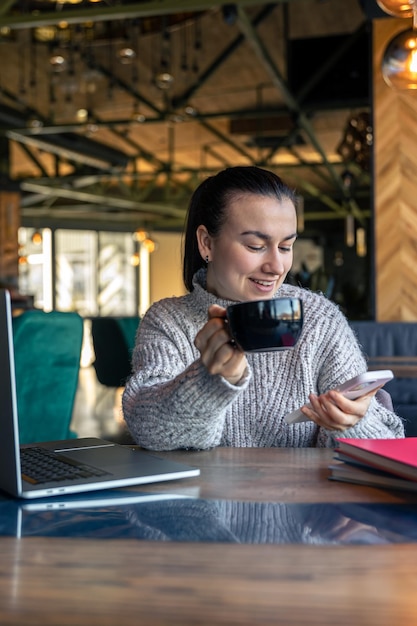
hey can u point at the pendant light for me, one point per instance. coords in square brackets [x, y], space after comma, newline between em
[399, 63]
[396, 8]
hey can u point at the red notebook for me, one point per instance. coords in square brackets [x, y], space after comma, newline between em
[398, 456]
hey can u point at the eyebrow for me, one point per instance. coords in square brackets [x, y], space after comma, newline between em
[257, 233]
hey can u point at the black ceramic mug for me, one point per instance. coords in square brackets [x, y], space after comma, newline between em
[266, 325]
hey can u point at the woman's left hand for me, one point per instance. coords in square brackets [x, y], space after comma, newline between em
[333, 411]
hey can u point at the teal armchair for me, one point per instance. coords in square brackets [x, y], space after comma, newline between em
[47, 362]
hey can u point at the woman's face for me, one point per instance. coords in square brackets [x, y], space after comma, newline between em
[251, 256]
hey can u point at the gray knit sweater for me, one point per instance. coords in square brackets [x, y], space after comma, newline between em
[171, 401]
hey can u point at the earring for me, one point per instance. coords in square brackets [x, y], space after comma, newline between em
[206, 260]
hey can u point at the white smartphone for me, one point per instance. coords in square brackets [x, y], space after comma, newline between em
[352, 389]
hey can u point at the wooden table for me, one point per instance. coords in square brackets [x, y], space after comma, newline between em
[54, 581]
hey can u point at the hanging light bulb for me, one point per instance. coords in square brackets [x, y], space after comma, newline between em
[140, 235]
[34, 122]
[37, 238]
[82, 115]
[58, 63]
[164, 80]
[126, 55]
[135, 259]
[137, 116]
[149, 245]
[399, 63]
[397, 8]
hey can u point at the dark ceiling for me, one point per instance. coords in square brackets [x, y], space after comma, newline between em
[111, 112]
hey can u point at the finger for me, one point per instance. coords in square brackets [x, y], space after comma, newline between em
[356, 407]
[215, 310]
[223, 359]
[217, 353]
[332, 416]
[209, 329]
[228, 362]
[215, 347]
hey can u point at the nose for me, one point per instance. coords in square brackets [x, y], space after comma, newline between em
[274, 262]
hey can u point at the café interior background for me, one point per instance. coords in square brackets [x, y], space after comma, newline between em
[112, 112]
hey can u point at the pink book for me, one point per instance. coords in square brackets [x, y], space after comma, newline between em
[398, 456]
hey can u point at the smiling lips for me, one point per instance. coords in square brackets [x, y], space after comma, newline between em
[263, 283]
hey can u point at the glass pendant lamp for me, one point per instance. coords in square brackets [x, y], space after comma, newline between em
[399, 63]
[397, 8]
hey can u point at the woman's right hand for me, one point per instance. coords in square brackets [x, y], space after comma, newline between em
[218, 353]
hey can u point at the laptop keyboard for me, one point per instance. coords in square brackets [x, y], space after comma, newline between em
[40, 465]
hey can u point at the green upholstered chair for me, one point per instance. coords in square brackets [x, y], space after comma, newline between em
[47, 362]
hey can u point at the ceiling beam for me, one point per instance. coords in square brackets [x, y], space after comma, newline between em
[236, 114]
[26, 149]
[111, 202]
[6, 5]
[262, 53]
[97, 197]
[79, 15]
[75, 148]
[182, 100]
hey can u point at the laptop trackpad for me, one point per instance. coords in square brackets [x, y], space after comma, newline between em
[118, 458]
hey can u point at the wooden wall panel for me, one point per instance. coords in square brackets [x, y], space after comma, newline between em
[395, 187]
[9, 225]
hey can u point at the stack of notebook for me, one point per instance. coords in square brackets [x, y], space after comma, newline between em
[390, 463]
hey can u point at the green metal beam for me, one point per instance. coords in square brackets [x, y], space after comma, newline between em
[292, 103]
[79, 15]
[6, 5]
[111, 202]
[183, 100]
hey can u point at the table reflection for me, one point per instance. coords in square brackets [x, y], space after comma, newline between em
[156, 517]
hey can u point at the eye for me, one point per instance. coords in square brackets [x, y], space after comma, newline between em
[285, 248]
[258, 248]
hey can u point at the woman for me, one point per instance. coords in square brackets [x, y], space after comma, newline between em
[192, 388]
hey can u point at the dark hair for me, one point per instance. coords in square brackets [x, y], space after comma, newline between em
[209, 202]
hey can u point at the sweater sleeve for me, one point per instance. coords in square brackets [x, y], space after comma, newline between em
[341, 359]
[171, 401]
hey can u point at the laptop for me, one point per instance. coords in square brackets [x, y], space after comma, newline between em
[89, 463]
